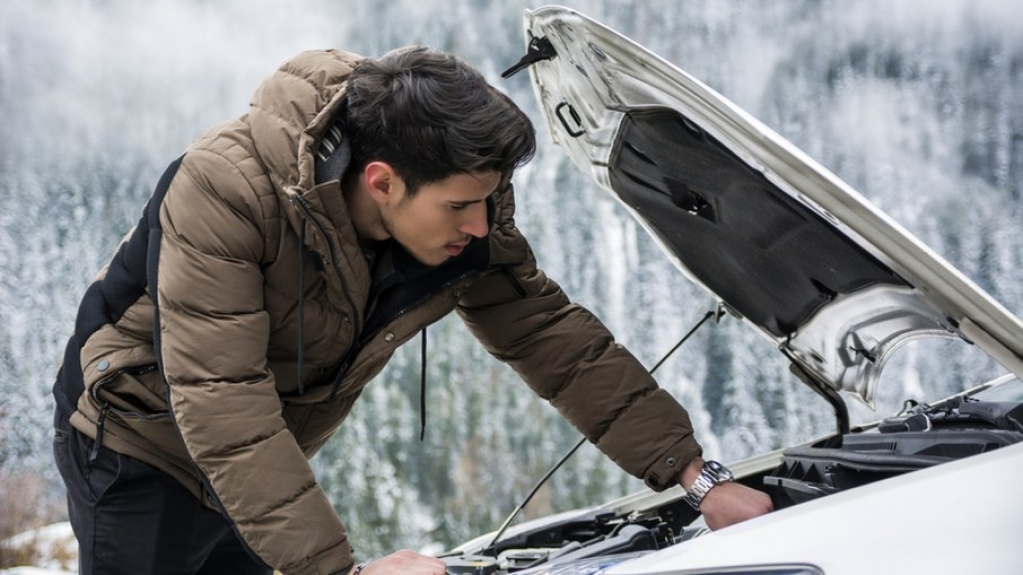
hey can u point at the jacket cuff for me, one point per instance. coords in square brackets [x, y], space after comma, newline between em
[666, 471]
[325, 563]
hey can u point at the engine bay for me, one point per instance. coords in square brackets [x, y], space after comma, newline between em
[920, 436]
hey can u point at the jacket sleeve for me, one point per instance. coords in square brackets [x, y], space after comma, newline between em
[567, 356]
[213, 334]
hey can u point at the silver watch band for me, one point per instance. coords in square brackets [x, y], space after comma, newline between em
[711, 474]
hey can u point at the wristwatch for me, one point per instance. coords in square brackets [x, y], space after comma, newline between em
[711, 474]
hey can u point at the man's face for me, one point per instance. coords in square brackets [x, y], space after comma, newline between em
[441, 218]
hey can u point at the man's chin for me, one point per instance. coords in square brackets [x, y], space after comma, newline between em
[431, 260]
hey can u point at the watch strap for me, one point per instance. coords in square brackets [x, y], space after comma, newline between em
[711, 475]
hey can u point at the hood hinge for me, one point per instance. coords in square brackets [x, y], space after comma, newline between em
[539, 49]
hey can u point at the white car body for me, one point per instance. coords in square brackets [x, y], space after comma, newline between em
[603, 76]
[961, 517]
[837, 285]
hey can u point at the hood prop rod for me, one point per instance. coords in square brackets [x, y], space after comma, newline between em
[715, 313]
[842, 421]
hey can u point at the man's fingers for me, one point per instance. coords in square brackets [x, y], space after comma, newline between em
[406, 562]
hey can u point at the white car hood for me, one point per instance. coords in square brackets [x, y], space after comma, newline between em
[805, 259]
[928, 521]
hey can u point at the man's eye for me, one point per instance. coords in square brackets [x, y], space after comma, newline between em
[458, 207]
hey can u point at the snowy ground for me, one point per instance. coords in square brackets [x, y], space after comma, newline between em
[55, 550]
[37, 571]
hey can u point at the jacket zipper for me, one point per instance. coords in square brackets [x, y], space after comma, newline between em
[357, 347]
[105, 407]
[111, 377]
[307, 211]
[94, 452]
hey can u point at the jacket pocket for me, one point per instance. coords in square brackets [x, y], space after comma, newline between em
[134, 401]
[138, 392]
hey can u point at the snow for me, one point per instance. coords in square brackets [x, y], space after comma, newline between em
[917, 106]
[56, 548]
[34, 571]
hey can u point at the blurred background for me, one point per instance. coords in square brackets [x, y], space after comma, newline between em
[916, 104]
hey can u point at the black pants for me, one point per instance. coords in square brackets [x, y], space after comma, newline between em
[134, 519]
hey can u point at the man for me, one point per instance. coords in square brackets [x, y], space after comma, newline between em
[278, 265]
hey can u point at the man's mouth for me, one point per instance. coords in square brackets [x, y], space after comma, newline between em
[456, 248]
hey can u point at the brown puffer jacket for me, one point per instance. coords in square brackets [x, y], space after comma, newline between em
[236, 242]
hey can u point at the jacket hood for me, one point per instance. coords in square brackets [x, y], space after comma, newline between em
[798, 254]
[291, 110]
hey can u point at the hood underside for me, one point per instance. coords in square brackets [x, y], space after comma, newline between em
[785, 244]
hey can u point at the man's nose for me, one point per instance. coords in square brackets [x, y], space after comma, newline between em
[475, 222]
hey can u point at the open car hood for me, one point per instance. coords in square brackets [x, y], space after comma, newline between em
[798, 254]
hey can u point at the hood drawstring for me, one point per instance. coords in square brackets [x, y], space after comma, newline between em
[422, 390]
[301, 306]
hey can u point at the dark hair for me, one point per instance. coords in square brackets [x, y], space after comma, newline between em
[430, 116]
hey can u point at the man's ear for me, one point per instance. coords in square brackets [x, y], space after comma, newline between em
[382, 182]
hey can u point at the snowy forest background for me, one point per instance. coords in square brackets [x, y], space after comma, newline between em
[917, 104]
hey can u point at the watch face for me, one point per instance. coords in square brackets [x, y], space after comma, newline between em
[721, 472]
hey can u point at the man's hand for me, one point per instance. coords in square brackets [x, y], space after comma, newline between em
[405, 562]
[727, 503]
